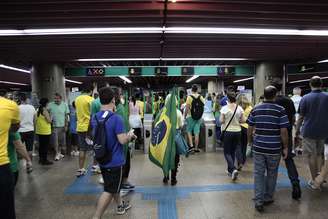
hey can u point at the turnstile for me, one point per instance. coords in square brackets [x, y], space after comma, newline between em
[148, 120]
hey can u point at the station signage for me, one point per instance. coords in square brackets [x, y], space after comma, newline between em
[135, 71]
[222, 71]
[95, 71]
[187, 71]
[161, 71]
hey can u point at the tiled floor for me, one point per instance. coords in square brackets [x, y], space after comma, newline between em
[203, 191]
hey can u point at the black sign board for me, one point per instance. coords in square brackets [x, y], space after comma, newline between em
[135, 71]
[161, 71]
[187, 71]
[226, 71]
[95, 71]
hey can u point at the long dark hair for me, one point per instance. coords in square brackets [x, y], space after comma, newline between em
[134, 101]
[43, 103]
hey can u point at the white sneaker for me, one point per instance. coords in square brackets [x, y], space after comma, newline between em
[101, 180]
[57, 157]
[61, 156]
[77, 153]
[81, 172]
[96, 169]
[73, 153]
[34, 154]
[234, 175]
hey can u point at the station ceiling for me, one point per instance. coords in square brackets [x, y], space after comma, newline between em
[291, 14]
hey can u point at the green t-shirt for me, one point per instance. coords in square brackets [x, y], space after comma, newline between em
[58, 113]
[13, 136]
[95, 106]
[124, 114]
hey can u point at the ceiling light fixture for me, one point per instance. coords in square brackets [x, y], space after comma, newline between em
[323, 61]
[72, 81]
[146, 30]
[244, 79]
[14, 68]
[160, 59]
[12, 83]
[192, 78]
[304, 80]
[125, 79]
[117, 60]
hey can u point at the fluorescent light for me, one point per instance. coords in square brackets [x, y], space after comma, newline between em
[118, 59]
[125, 79]
[244, 79]
[72, 81]
[323, 61]
[146, 30]
[192, 78]
[12, 83]
[14, 69]
[73, 31]
[254, 31]
[158, 59]
[298, 81]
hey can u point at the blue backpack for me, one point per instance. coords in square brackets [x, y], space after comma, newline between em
[102, 154]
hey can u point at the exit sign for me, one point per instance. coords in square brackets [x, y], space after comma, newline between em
[95, 71]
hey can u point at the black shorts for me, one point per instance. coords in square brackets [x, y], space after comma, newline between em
[74, 139]
[28, 139]
[83, 146]
[112, 179]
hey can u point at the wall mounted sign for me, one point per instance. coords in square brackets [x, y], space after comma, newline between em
[187, 71]
[135, 71]
[95, 71]
[161, 71]
[226, 71]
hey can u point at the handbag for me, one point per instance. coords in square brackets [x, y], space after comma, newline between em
[224, 131]
[181, 143]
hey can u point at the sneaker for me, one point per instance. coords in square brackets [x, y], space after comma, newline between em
[95, 169]
[312, 185]
[296, 193]
[101, 180]
[259, 208]
[197, 150]
[121, 209]
[29, 169]
[269, 202]
[57, 157]
[77, 153]
[72, 153]
[61, 156]
[124, 192]
[81, 172]
[34, 154]
[166, 179]
[128, 186]
[228, 173]
[174, 181]
[234, 175]
[191, 149]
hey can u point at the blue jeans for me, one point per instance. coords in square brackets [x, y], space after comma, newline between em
[231, 142]
[265, 176]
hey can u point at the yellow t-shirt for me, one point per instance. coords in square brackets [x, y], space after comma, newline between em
[141, 105]
[83, 106]
[42, 127]
[190, 99]
[9, 114]
[247, 111]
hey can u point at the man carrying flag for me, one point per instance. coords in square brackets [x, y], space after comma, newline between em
[162, 150]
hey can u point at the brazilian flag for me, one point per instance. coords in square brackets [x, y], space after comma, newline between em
[162, 148]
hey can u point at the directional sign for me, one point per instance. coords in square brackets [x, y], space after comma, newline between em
[95, 71]
[161, 71]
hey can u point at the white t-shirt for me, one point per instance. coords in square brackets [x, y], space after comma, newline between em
[27, 113]
[235, 124]
[296, 100]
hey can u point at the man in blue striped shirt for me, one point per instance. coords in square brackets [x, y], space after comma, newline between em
[268, 132]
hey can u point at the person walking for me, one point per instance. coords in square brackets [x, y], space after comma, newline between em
[43, 131]
[59, 113]
[135, 121]
[72, 129]
[313, 119]
[241, 151]
[83, 114]
[269, 123]
[112, 170]
[27, 118]
[231, 117]
[9, 114]
[288, 104]
[193, 115]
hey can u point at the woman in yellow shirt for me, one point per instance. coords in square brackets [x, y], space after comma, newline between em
[247, 107]
[43, 130]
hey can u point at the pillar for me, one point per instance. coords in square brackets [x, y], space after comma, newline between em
[220, 86]
[48, 79]
[211, 87]
[265, 73]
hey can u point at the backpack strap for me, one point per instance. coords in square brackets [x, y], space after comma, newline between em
[106, 118]
[233, 115]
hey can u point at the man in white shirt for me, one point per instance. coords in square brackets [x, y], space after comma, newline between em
[27, 118]
[296, 98]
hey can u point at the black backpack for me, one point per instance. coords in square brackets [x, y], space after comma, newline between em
[197, 108]
[102, 154]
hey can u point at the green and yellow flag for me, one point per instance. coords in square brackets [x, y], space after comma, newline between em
[162, 148]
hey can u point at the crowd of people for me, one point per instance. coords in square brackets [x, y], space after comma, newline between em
[270, 130]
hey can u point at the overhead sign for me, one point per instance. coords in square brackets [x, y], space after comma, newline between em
[226, 71]
[95, 71]
[187, 71]
[135, 71]
[161, 71]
